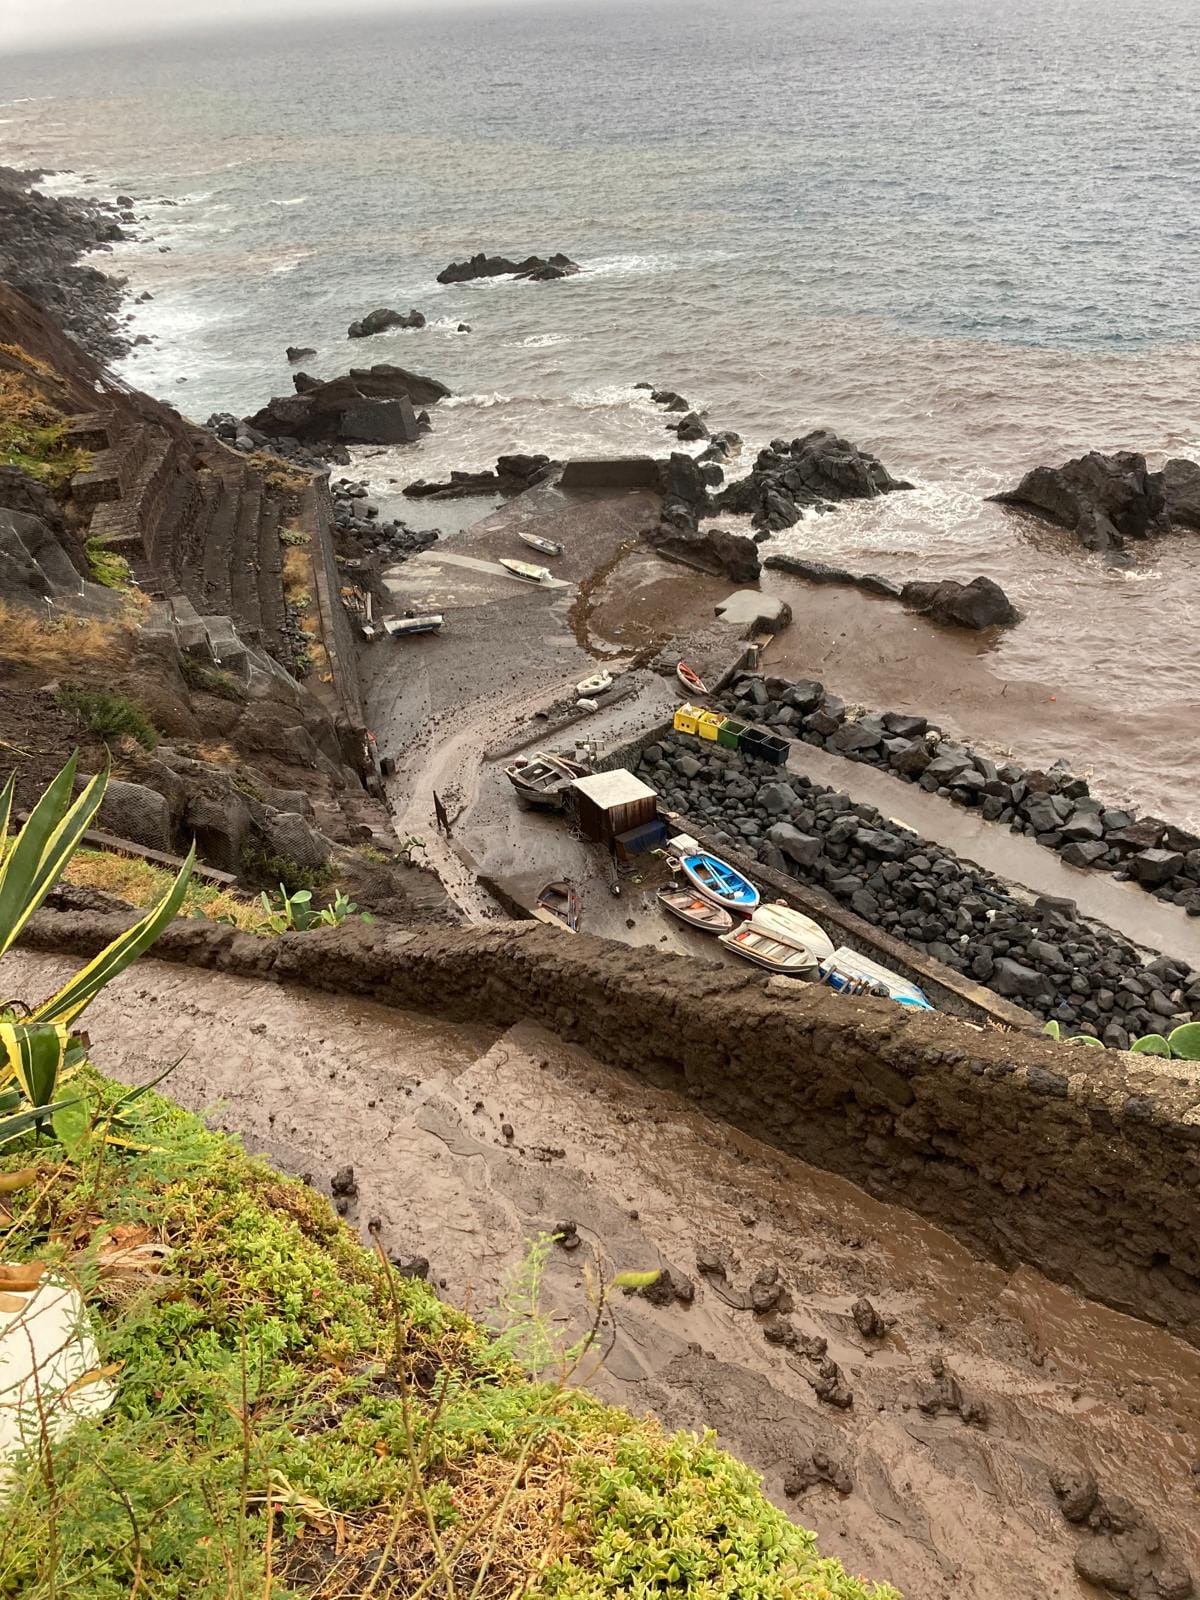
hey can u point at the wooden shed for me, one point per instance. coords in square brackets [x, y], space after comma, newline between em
[607, 804]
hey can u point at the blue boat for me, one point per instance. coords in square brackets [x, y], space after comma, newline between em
[721, 883]
[850, 973]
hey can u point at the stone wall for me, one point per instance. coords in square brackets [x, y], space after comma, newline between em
[1086, 1167]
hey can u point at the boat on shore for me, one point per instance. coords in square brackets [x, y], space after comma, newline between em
[402, 626]
[777, 917]
[768, 950]
[541, 781]
[718, 881]
[696, 910]
[548, 547]
[690, 679]
[596, 684]
[524, 570]
[560, 900]
[850, 973]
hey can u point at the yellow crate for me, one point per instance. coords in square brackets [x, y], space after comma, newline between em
[708, 724]
[687, 718]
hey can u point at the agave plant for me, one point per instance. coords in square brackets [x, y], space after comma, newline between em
[39, 1048]
[1181, 1044]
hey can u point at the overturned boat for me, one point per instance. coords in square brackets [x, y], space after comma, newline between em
[430, 623]
[849, 973]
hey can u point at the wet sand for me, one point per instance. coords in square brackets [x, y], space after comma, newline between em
[942, 1508]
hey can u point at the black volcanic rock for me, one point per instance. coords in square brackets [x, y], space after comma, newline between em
[383, 319]
[541, 269]
[1181, 487]
[813, 470]
[979, 604]
[371, 405]
[1103, 500]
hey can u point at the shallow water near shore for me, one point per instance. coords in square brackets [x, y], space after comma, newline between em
[961, 236]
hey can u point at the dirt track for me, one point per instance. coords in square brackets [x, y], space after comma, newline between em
[942, 1506]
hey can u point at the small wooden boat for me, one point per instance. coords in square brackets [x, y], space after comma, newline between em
[689, 679]
[765, 950]
[696, 910]
[561, 900]
[720, 882]
[542, 781]
[849, 973]
[523, 570]
[596, 684]
[778, 918]
[548, 547]
[432, 623]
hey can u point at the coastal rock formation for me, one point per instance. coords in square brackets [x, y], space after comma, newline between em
[1181, 487]
[1104, 500]
[709, 549]
[512, 475]
[372, 405]
[383, 319]
[823, 572]
[541, 269]
[299, 352]
[979, 604]
[819, 467]
[1056, 807]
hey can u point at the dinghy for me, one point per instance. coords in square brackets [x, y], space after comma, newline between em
[406, 625]
[561, 901]
[849, 973]
[596, 684]
[548, 547]
[542, 781]
[695, 910]
[719, 881]
[778, 918]
[766, 950]
[523, 570]
[689, 679]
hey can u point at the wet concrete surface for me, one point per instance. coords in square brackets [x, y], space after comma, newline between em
[942, 1507]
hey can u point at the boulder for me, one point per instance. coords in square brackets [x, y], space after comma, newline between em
[809, 471]
[288, 834]
[383, 319]
[221, 825]
[681, 478]
[802, 848]
[1181, 489]
[730, 555]
[1102, 499]
[366, 397]
[299, 352]
[1153, 868]
[1017, 982]
[541, 269]
[689, 428]
[132, 811]
[978, 604]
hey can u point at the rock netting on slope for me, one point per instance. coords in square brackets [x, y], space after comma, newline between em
[1056, 808]
[1078, 973]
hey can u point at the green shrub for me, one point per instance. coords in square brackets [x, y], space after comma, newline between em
[109, 716]
[261, 865]
[211, 680]
[106, 567]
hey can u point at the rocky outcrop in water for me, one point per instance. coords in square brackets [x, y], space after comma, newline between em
[1181, 488]
[41, 240]
[512, 475]
[978, 604]
[369, 405]
[812, 471]
[361, 529]
[383, 319]
[1104, 500]
[541, 269]
[678, 535]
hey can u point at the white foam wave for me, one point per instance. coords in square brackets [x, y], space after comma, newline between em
[297, 200]
[541, 341]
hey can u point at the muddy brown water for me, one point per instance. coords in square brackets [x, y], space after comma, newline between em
[940, 1507]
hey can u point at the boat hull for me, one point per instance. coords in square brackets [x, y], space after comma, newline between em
[696, 910]
[775, 955]
[795, 927]
[719, 882]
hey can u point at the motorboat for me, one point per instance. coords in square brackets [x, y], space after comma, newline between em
[720, 882]
[775, 916]
[523, 570]
[431, 623]
[542, 780]
[548, 547]
[767, 950]
[561, 901]
[596, 684]
[690, 679]
[696, 910]
[850, 973]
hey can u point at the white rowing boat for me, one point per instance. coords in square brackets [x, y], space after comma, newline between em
[594, 685]
[524, 570]
[776, 917]
[548, 547]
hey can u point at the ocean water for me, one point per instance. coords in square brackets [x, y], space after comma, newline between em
[962, 232]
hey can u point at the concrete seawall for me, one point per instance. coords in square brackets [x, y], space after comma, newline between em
[1085, 1165]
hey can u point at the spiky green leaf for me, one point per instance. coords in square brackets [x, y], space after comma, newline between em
[32, 1054]
[13, 1127]
[43, 847]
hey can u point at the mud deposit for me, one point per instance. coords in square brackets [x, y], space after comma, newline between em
[971, 1390]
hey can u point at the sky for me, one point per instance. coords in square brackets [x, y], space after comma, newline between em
[43, 23]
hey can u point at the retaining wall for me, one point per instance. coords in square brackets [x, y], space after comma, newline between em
[1082, 1164]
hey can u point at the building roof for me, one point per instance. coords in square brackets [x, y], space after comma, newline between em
[609, 789]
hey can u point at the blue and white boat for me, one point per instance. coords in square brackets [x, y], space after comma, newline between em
[724, 885]
[849, 973]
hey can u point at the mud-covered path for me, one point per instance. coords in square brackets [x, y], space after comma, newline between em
[942, 1507]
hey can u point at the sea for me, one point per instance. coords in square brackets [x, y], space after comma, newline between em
[963, 233]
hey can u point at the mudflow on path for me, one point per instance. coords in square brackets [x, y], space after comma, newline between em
[969, 1387]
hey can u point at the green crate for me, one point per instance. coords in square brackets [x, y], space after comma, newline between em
[730, 733]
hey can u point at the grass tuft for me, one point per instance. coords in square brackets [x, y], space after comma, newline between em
[33, 435]
[55, 643]
[211, 680]
[107, 567]
[141, 884]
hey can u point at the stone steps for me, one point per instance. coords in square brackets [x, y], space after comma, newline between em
[270, 581]
[219, 522]
[130, 517]
[245, 576]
